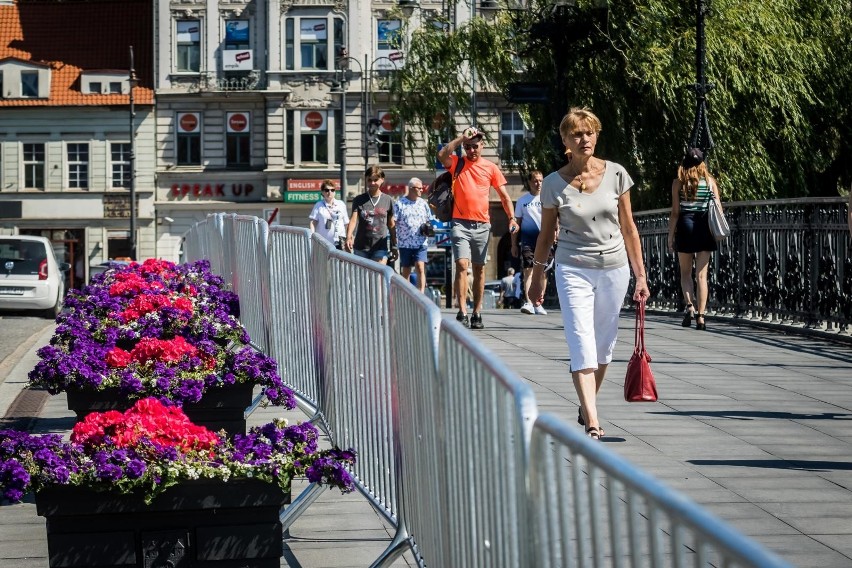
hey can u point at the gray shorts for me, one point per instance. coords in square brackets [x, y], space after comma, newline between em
[470, 240]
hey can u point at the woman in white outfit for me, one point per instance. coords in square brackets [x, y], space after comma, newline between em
[329, 215]
[590, 199]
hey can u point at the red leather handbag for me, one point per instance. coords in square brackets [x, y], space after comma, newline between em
[639, 384]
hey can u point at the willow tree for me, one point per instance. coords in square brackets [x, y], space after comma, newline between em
[779, 112]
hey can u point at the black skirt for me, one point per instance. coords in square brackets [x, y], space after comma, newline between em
[693, 233]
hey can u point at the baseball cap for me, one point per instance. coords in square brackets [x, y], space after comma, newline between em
[693, 157]
[472, 134]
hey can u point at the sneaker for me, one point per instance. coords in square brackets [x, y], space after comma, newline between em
[463, 318]
[476, 322]
[540, 311]
[527, 308]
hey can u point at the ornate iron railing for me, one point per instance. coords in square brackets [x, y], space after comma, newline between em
[787, 263]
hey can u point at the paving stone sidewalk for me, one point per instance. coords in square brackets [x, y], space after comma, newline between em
[754, 425]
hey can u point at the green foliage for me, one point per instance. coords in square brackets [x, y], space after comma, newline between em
[779, 112]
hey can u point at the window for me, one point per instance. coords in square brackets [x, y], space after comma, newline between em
[188, 45]
[238, 139]
[313, 136]
[29, 83]
[511, 138]
[289, 143]
[115, 87]
[2, 93]
[389, 140]
[237, 34]
[34, 166]
[388, 35]
[95, 87]
[188, 139]
[120, 161]
[308, 43]
[78, 166]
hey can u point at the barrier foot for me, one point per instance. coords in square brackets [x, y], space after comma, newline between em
[295, 509]
[253, 406]
[401, 541]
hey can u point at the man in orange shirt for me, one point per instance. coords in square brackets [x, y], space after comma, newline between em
[471, 224]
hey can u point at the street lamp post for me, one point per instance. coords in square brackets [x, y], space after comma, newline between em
[700, 136]
[133, 80]
[372, 123]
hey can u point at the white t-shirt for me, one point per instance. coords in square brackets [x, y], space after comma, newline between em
[528, 210]
[330, 219]
[589, 230]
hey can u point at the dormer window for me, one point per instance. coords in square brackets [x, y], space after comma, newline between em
[24, 79]
[104, 82]
[29, 83]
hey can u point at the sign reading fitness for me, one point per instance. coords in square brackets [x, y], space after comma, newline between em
[306, 190]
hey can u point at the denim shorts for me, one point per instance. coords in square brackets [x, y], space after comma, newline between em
[378, 254]
[470, 240]
[410, 256]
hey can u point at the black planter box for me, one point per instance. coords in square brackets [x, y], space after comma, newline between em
[195, 524]
[222, 407]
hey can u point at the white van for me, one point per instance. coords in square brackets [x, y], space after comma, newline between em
[30, 276]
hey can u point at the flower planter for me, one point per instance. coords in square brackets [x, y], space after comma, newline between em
[195, 524]
[222, 407]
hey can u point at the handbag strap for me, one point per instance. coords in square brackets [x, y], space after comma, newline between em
[639, 329]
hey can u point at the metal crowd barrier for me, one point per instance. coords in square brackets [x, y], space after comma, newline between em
[292, 340]
[589, 507]
[358, 366]
[248, 264]
[450, 449]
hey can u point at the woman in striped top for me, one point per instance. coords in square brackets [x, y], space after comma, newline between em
[689, 233]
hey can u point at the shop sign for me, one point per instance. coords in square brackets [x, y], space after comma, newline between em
[304, 196]
[314, 120]
[238, 122]
[308, 185]
[188, 122]
[211, 190]
[118, 206]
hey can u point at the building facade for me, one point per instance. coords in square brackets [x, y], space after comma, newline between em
[241, 106]
[66, 132]
[258, 101]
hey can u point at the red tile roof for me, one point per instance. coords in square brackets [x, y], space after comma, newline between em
[73, 36]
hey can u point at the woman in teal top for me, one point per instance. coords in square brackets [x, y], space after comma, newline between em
[689, 232]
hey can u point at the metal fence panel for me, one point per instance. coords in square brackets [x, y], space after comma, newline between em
[249, 265]
[359, 380]
[588, 508]
[415, 326]
[486, 416]
[290, 315]
[787, 262]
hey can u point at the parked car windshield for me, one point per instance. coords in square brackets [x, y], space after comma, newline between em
[21, 257]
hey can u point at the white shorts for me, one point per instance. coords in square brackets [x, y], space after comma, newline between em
[590, 300]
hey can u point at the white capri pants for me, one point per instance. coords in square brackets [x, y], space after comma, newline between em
[591, 299]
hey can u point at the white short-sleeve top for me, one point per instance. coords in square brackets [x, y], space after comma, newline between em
[589, 231]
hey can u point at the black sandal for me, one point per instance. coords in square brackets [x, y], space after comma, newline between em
[582, 421]
[700, 325]
[594, 432]
[687, 316]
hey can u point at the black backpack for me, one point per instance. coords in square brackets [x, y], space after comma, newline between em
[441, 200]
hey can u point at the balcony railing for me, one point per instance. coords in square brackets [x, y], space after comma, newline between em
[786, 262]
